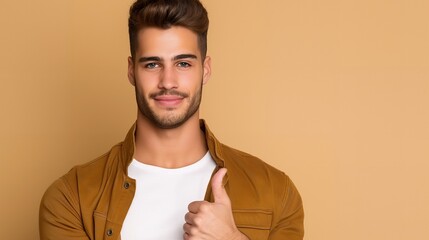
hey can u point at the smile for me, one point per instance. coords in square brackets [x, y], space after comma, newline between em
[168, 100]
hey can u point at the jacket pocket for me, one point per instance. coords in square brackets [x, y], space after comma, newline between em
[254, 223]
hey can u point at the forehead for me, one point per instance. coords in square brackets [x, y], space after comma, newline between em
[167, 42]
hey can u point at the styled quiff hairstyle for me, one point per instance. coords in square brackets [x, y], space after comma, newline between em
[164, 14]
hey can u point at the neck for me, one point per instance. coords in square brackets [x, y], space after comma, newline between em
[169, 148]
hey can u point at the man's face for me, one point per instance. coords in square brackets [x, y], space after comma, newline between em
[168, 74]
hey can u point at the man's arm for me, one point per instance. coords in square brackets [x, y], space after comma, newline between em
[290, 226]
[59, 215]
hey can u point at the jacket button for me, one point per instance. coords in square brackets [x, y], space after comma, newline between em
[109, 232]
[126, 185]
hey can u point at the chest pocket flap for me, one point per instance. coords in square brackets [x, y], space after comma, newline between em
[255, 224]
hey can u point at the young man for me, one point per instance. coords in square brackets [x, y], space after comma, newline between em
[170, 178]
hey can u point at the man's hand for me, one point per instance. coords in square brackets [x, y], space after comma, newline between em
[212, 221]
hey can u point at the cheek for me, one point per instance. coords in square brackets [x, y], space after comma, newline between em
[191, 80]
[146, 82]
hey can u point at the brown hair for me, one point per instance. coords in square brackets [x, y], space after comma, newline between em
[164, 14]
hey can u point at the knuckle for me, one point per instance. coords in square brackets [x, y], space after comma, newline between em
[198, 221]
[193, 231]
[205, 207]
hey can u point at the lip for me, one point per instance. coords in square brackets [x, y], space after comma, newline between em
[168, 100]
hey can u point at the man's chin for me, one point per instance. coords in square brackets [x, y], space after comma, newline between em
[169, 124]
[167, 118]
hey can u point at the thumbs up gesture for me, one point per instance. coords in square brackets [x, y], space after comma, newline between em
[212, 221]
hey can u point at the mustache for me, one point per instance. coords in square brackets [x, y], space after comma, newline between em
[168, 92]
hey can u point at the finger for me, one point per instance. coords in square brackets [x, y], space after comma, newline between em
[186, 231]
[186, 236]
[187, 228]
[189, 218]
[219, 193]
[194, 207]
[190, 230]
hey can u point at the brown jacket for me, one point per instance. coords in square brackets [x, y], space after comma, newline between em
[92, 200]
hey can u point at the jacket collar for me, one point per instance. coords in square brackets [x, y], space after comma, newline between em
[214, 146]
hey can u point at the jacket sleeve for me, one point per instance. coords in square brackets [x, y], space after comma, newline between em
[59, 214]
[290, 222]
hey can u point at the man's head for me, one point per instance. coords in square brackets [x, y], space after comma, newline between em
[168, 65]
[164, 14]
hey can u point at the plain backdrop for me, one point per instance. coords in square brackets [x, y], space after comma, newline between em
[335, 93]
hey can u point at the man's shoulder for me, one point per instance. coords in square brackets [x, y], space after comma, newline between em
[254, 184]
[248, 175]
[239, 160]
[83, 183]
[91, 173]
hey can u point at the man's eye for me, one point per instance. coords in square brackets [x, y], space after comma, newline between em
[183, 64]
[151, 65]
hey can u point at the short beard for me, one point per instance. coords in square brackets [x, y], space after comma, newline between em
[168, 122]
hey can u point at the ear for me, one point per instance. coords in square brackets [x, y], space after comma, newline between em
[131, 75]
[207, 68]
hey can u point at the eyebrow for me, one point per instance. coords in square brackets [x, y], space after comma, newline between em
[158, 59]
[148, 59]
[183, 56]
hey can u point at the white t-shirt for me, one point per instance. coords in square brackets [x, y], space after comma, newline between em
[162, 198]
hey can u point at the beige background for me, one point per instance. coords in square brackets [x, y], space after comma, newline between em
[334, 92]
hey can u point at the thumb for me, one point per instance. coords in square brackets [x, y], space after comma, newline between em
[219, 193]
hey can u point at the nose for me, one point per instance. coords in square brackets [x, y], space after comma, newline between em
[168, 78]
